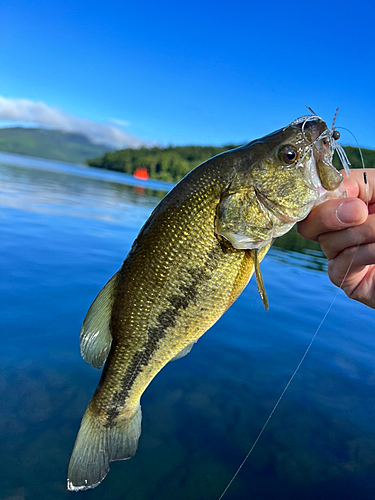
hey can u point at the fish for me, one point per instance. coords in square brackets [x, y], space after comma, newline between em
[190, 261]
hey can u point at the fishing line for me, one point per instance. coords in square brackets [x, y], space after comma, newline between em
[359, 149]
[311, 341]
[289, 381]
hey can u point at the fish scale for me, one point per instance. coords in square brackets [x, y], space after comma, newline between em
[189, 263]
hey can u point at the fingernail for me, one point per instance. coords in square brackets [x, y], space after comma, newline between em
[350, 212]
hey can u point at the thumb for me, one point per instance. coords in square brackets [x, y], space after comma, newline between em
[351, 212]
[333, 215]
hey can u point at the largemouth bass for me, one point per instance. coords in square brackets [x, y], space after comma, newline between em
[189, 263]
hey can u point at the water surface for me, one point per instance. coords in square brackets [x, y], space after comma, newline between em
[63, 235]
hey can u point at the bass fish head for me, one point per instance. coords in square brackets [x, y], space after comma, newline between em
[278, 179]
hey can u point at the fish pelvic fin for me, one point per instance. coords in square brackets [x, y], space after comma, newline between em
[97, 445]
[258, 275]
[96, 339]
[184, 351]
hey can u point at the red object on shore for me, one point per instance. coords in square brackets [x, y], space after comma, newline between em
[141, 173]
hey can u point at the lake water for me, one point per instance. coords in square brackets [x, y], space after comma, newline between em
[64, 231]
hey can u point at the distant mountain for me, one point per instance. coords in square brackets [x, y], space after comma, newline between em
[50, 144]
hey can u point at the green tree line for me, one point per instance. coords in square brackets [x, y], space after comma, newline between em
[166, 164]
[172, 163]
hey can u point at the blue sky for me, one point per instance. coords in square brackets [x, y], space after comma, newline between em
[193, 72]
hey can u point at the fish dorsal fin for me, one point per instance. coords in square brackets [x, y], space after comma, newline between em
[258, 275]
[96, 339]
[184, 351]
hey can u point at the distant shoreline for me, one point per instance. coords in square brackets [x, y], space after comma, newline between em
[81, 170]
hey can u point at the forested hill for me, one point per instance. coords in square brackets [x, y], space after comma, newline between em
[172, 163]
[354, 157]
[167, 164]
[50, 144]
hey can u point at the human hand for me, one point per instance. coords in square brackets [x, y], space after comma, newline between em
[346, 229]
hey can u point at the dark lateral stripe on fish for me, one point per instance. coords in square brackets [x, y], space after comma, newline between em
[166, 319]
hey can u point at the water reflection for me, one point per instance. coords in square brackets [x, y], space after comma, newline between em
[295, 247]
[83, 171]
[42, 191]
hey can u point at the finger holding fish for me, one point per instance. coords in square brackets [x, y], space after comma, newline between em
[345, 230]
[334, 242]
[336, 215]
[332, 216]
[351, 254]
[361, 184]
[358, 283]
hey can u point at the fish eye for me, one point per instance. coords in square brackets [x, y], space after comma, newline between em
[336, 135]
[288, 154]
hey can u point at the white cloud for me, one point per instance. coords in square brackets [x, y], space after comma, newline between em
[120, 123]
[39, 113]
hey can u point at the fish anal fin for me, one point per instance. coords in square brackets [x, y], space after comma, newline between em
[96, 339]
[97, 445]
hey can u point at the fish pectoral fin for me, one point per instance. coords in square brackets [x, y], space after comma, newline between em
[258, 275]
[96, 339]
[184, 351]
[98, 444]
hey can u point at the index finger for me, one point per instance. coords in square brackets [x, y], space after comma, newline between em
[356, 185]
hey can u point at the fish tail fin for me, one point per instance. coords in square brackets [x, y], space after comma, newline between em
[98, 444]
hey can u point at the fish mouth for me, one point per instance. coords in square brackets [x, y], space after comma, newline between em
[323, 149]
[282, 216]
[323, 176]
